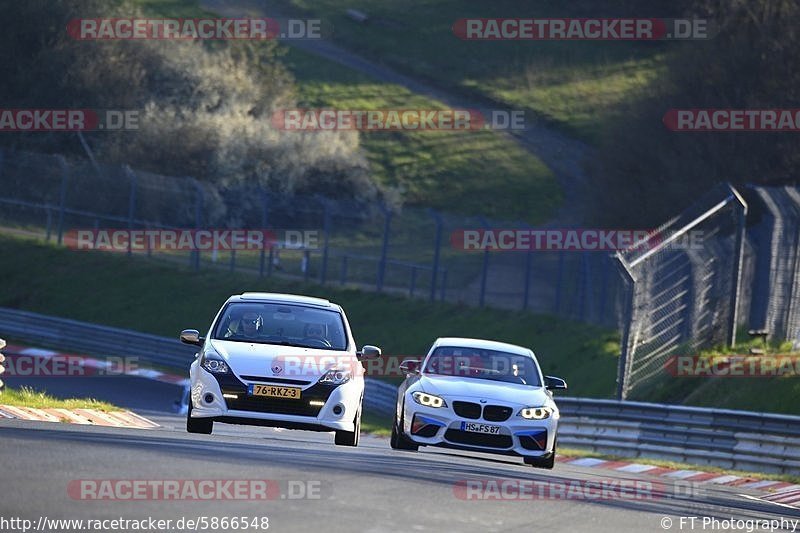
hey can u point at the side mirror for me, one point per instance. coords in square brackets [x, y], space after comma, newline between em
[192, 336]
[554, 383]
[369, 352]
[410, 367]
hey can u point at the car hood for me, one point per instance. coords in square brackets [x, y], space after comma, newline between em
[450, 387]
[267, 360]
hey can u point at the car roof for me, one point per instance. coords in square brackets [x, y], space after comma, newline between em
[274, 297]
[463, 342]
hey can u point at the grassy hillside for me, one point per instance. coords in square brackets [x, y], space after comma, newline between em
[577, 85]
[450, 170]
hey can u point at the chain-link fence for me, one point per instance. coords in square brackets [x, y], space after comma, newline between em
[685, 287]
[775, 236]
[408, 250]
[682, 288]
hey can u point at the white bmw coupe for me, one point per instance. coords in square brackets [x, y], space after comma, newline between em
[478, 395]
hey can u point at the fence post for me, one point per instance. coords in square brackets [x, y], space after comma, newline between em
[2, 368]
[326, 221]
[387, 224]
[264, 220]
[443, 290]
[131, 205]
[62, 202]
[305, 265]
[233, 261]
[559, 282]
[625, 356]
[586, 287]
[604, 289]
[485, 270]
[49, 229]
[194, 257]
[437, 245]
[737, 265]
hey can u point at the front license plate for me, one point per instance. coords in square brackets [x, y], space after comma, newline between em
[273, 391]
[475, 427]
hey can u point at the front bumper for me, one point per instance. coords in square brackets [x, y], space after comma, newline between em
[442, 427]
[300, 414]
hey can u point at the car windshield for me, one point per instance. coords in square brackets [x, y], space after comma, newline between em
[483, 364]
[276, 323]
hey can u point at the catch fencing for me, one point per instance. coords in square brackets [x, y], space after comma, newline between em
[399, 250]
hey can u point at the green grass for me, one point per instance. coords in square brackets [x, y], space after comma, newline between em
[27, 397]
[767, 394]
[476, 172]
[580, 86]
[162, 299]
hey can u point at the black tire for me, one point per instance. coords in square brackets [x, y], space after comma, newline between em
[398, 440]
[198, 425]
[350, 438]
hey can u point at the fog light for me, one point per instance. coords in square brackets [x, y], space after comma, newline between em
[208, 398]
[316, 403]
[338, 409]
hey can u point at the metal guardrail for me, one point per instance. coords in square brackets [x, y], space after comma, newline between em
[740, 440]
[2, 360]
[720, 437]
[95, 339]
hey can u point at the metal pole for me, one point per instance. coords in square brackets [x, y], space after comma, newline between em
[387, 222]
[626, 355]
[62, 197]
[437, 245]
[198, 221]
[323, 273]
[264, 220]
[737, 265]
[131, 205]
[344, 270]
[485, 271]
[559, 282]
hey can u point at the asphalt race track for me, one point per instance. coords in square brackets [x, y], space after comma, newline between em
[369, 488]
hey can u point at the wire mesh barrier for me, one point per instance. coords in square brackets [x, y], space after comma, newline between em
[682, 284]
[775, 307]
[683, 287]
[405, 251]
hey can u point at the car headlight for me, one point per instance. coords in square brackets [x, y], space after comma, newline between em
[336, 376]
[536, 413]
[428, 400]
[215, 366]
